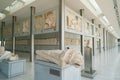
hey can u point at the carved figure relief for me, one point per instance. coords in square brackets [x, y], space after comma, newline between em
[17, 28]
[73, 21]
[38, 23]
[50, 20]
[26, 26]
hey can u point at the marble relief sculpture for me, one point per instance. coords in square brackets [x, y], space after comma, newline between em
[73, 21]
[75, 42]
[50, 20]
[78, 27]
[67, 41]
[87, 28]
[61, 58]
[97, 32]
[38, 23]
[26, 26]
[24, 42]
[7, 55]
[17, 28]
[49, 41]
[8, 30]
[88, 42]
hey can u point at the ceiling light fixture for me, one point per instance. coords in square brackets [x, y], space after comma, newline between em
[105, 20]
[95, 6]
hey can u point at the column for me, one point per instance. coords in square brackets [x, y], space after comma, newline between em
[32, 15]
[61, 23]
[93, 39]
[100, 44]
[2, 40]
[82, 37]
[13, 35]
[104, 39]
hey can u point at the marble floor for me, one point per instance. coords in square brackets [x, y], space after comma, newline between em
[106, 64]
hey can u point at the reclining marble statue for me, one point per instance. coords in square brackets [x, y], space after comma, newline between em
[61, 57]
[7, 55]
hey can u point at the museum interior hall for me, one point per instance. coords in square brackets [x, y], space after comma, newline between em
[59, 39]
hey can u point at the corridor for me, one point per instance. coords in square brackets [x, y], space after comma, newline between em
[106, 64]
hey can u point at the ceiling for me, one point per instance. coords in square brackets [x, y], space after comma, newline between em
[109, 12]
[107, 9]
[4, 4]
[40, 6]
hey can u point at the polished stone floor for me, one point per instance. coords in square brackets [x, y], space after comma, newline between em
[106, 64]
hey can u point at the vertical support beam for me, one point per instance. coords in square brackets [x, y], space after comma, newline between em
[107, 40]
[32, 15]
[93, 21]
[104, 39]
[13, 35]
[93, 39]
[82, 37]
[81, 12]
[100, 44]
[2, 40]
[82, 44]
[61, 23]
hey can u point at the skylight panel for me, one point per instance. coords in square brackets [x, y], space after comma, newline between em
[95, 6]
[18, 4]
[2, 16]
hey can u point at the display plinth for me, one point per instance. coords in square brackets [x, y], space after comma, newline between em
[13, 68]
[50, 71]
[89, 74]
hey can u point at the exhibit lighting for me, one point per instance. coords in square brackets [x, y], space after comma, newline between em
[95, 6]
[110, 28]
[2, 16]
[18, 4]
[105, 20]
[7, 8]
